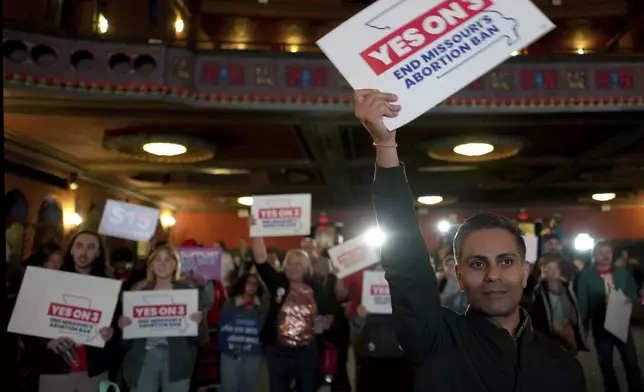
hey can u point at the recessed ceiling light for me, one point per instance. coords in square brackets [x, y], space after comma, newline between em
[165, 149]
[474, 149]
[224, 171]
[245, 201]
[604, 196]
[430, 200]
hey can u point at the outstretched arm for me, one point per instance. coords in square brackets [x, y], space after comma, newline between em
[412, 282]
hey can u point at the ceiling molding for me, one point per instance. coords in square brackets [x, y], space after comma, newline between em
[53, 159]
[177, 114]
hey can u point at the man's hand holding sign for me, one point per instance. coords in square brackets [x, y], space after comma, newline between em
[424, 51]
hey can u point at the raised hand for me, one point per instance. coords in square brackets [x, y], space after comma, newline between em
[370, 108]
[124, 321]
[106, 333]
[60, 345]
[197, 317]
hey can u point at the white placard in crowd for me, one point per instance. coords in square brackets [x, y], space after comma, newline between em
[281, 215]
[353, 255]
[375, 292]
[160, 313]
[128, 221]
[53, 304]
[531, 248]
[618, 315]
[426, 50]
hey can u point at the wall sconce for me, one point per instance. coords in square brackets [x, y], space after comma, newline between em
[167, 221]
[72, 220]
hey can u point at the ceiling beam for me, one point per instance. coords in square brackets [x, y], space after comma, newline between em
[326, 145]
[241, 189]
[246, 9]
[345, 11]
[204, 167]
[427, 165]
[608, 147]
[179, 114]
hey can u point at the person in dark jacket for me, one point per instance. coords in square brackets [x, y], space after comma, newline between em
[339, 333]
[85, 255]
[380, 361]
[298, 308]
[594, 287]
[554, 309]
[493, 347]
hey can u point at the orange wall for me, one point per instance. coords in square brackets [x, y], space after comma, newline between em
[207, 228]
[210, 227]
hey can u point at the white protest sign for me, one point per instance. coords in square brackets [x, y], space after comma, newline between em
[353, 255]
[375, 292]
[160, 313]
[424, 51]
[53, 304]
[281, 215]
[128, 221]
[531, 248]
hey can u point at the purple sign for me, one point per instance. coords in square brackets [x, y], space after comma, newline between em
[203, 261]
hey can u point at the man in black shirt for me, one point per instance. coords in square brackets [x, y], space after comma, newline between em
[492, 348]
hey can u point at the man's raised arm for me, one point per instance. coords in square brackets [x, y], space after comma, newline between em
[412, 282]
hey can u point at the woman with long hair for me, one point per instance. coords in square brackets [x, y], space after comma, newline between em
[49, 360]
[247, 306]
[165, 363]
[295, 314]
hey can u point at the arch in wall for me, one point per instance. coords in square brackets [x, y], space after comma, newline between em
[49, 223]
[16, 217]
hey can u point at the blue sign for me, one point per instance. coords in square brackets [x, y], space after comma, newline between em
[203, 261]
[239, 335]
[128, 221]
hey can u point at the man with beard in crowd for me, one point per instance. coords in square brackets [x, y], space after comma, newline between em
[493, 347]
[46, 358]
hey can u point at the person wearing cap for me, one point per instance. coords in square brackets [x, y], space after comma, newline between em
[552, 244]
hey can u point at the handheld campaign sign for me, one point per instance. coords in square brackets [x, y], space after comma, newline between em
[531, 248]
[375, 292]
[53, 304]
[240, 335]
[353, 256]
[426, 50]
[160, 313]
[128, 221]
[203, 261]
[281, 215]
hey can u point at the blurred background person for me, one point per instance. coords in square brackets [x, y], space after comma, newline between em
[449, 291]
[339, 333]
[249, 299]
[554, 310]
[595, 286]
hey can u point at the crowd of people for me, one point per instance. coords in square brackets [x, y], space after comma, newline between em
[479, 319]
